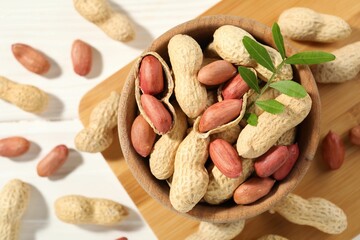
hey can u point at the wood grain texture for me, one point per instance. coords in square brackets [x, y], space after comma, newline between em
[340, 112]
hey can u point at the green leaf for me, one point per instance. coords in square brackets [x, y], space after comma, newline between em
[250, 78]
[310, 57]
[278, 39]
[251, 119]
[290, 88]
[271, 106]
[258, 53]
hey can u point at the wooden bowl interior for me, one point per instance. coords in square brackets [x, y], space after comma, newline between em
[202, 29]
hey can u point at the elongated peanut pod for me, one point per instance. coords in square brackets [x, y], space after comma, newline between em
[163, 156]
[217, 231]
[186, 58]
[27, 97]
[316, 212]
[190, 178]
[98, 135]
[14, 199]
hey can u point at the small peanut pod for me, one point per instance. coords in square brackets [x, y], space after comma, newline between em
[221, 188]
[13, 146]
[217, 231]
[81, 57]
[14, 200]
[354, 135]
[271, 161]
[285, 169]
[98, 135]
[186, 58]
[27, 97]
[163, 156]
[52, 161]
[305, 24]
[345, 67]
[76, 209]
[254, 141]
[142, 136]
[190, 178]
[234, 88]
[333, 150]
[315, 212]
[228, 44]
[30, 58]
[272, 237]
[252, 190]
[159, 114]
[216, 73]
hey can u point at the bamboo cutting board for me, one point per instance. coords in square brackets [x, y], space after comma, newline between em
[340, 112]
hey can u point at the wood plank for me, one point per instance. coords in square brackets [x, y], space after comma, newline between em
[340, 112]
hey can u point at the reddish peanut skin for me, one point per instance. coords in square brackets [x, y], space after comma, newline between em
[333, 150]
[142, 136]
[253, 189]
[156, 112]
[81, 56]
[235, 88]
[271, 161]
[225, 158]
[151, 75]
[122, 238]
[13, 146]
[52, 161]
[285, 169]
[30, 58]
[219, 114]
[216, 72]
[354, 135]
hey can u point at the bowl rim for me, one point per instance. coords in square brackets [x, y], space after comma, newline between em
[220, 213]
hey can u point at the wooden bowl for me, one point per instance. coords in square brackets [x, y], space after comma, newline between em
[202, 29]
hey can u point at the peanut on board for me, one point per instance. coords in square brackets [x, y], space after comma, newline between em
[142, 136]
[52, 161]
[30, 58]
[186, 58]
[345, 67]
[98, 135]
[116, 25]
[14, 199]
[76, 209]
[27, 97]
[305, 24]
[163, 155]
[190, 178]
[81, 57]
[221, 188]
[13, 146]
[217, 231]
[254, 141]
[333, 150]
[272, 237]
[315, 212]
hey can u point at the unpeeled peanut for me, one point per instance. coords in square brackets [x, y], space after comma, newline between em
[157, 113]
[253, 189]
[235, 88]
[30, 58]
[216, 73]
[13, 146]
[333, 150]
[354, 135]
[52, 161]
[81, 56]
[142, 136]
[271, 161]
[285, 169]
[151, 75]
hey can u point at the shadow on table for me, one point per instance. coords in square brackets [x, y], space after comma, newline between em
[30, 155]
[54, 109]
[97, 64]
[75, 159]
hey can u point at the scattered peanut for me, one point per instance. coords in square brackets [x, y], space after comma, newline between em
[271, 161]
[151, 75]
[52, 161]
[272, 237]
[305, 24]
[186, 58]
[14, 199]
[81, 56]
[344, 68]
[98, 135]
[217, 231]
[30, 58]
[315, 212]
[114, 24]
[333, 150]
[142, 136]
[26, 97]
[354, 135]
[13, 146]
[285, 169]
[216, 73]
[76, 209]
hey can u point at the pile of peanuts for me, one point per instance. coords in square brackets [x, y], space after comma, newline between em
[190, 123]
